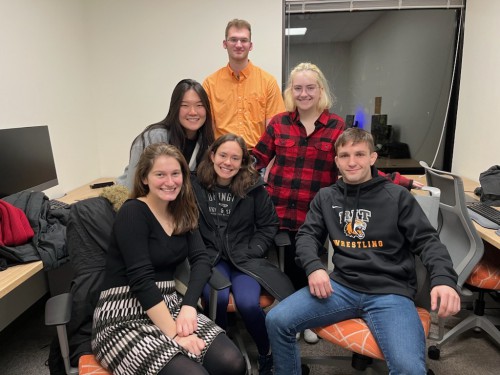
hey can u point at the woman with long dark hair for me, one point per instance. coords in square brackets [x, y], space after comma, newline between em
[188, 126]
[141, 325]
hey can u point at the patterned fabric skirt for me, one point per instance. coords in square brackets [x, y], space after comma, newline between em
[126, 341]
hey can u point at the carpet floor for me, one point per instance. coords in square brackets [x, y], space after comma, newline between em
[24, 348]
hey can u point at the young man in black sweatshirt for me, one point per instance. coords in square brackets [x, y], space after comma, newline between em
[376, 229]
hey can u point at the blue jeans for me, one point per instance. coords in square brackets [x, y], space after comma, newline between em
[392, 319]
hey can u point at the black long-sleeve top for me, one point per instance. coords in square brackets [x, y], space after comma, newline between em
[141, 253]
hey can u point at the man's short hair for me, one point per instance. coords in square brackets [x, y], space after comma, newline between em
[239, 24]
[355, 135]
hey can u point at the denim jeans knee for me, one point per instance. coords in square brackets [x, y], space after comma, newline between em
[395, 323]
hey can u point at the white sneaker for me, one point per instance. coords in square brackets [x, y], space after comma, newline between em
[297, 336]
[310, 337]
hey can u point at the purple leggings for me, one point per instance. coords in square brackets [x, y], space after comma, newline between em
[246, 294]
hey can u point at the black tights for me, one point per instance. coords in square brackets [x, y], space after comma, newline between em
[222, 358]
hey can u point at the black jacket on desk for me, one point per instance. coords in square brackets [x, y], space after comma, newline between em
[375, 252]
[251, 229]
[49, 241]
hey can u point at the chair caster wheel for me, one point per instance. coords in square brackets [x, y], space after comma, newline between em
[430, 372]
[360, 362]
[433, 352]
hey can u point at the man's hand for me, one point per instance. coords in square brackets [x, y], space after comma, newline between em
[186, 322]
[417, 185]
[319, 284]
[448, 298]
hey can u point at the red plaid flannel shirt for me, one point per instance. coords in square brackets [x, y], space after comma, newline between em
[303, 165]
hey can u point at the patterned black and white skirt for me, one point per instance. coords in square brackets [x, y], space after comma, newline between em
[126, 341]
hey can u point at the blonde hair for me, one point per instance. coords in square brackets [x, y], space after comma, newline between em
[239, 24]
[326, 98]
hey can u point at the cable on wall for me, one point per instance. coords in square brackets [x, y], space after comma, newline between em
[452, 81]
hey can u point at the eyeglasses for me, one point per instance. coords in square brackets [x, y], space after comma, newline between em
[309, 89]
[236, 40]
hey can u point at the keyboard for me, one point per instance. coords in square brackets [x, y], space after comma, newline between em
[54, 204]
[486, 211]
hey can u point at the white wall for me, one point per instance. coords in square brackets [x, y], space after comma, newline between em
[44, 81]
[141, 50]
[99, 71]
[477, 139]
[52, 72]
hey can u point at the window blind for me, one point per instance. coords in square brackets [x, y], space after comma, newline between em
[301, 6]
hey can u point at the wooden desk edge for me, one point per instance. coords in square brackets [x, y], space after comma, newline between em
[14, 276]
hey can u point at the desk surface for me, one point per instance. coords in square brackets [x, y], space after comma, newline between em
[487, 235]
[84, 192]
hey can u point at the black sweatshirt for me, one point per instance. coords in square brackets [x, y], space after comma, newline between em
[374, 253]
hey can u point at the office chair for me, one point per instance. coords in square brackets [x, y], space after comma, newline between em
[88, 232]
[354, 334]
[476, 273]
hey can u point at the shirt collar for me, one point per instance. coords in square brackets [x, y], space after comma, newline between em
[244, 73]
[322, 119]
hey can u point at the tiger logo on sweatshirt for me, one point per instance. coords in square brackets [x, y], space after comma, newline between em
[356, 230]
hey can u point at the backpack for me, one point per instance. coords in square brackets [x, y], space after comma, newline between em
[490, 186]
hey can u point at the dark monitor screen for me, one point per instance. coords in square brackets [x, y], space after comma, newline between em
[26, 160]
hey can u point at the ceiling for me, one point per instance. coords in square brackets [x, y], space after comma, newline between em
[331, 27]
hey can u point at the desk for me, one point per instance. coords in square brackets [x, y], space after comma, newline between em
[488, 235]
[20, 287]
[24, 284]
[84, 192]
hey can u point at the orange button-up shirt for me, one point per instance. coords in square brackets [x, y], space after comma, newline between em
[241, 105]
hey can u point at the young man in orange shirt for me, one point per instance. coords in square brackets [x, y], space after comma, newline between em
[243, 97]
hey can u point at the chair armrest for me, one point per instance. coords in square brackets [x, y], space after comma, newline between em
[218, 281]
[282, 239]
[433, 191]
[58, 313]
[58, 309]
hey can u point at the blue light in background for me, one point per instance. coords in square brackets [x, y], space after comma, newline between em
[359, 118]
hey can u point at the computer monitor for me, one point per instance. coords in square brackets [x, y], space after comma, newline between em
[26, 160]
